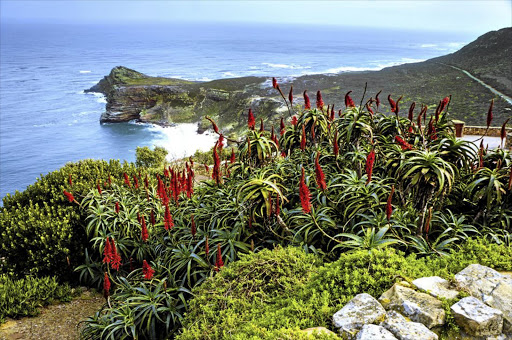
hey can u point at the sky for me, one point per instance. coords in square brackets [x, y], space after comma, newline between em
[471, 16]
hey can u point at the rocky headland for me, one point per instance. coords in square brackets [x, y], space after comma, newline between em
[134, 96]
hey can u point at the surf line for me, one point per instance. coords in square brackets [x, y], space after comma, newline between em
[493, 90]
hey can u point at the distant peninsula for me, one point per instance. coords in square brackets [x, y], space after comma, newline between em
[475, 74]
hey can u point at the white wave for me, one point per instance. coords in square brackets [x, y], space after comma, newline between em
[378, 67]
[291, 66]
[85, 71]
[182, 140]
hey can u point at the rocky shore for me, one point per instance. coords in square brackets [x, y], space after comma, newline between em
[134, 96]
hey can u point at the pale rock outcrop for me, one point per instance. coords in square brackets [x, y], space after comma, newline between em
[436, 286]
[419, 307]
[404, 330]
[374, 332]
[476, 318]
[362, 309]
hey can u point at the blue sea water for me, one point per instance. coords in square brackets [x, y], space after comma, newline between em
[47, 120]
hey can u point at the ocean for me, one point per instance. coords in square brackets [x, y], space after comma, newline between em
[46, 119]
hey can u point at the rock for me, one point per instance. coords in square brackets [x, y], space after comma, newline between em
[404, 330]
[419, 307]
[489, 286]
[317, 330]
[374, 332]
[476, 318]
[436, 286]
[362, 309]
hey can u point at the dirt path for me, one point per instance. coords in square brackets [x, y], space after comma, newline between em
[57, 322]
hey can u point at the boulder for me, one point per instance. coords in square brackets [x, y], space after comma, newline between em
[476, 318]
[362, 309]
[489, 286]
[403, 330]
[374, 332]
[419, 307]
[318, 330]
[436, 286]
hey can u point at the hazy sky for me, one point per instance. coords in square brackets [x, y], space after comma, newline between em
[476, 16]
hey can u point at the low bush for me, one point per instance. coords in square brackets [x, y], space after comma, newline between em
[275, 292]
[23, 297]
[43, 234]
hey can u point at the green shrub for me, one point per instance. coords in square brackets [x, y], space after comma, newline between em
[43, 233]
[145, 157]
[23, 297]
[268, 294]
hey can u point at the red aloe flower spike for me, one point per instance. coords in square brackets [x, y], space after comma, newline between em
[109, 180]
[218, 262]
[444, 103]
[489, 114]
[332, 113]
[206, 247]
[70, 181]
[136, 182]
[106, 286]
[303, 139]
[262, 128]
[369, 165]
[335, 146]
[304, 194]
[392, 103]
[127, 180]
[396, 106]
[307, 103]
[117, 207]
[369, 108]
[116, 258]
[274, 83]
[214, 126]
[348, 100]
[146, 181]
[152, 218]
[320, 177]
[216, 166]
[251, 121]
[377, 100]
[193, 229]
[319, 101]
[168, 222]
[232, 159]
[339, 113]
[107, 251]
[147, 270]
[411, 111]
[294, 120]
[389, 207]
[144, 231]
[70, 196]
[411, 128]
[503, 133]
[206, 168]
[290, 95]
[220, 143]
[403, 144]
[278, 205]
[282, 127]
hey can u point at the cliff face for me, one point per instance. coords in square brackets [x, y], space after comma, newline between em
[133, 95]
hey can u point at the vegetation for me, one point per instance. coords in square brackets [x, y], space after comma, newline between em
[377, 194]
[23, 297]
[291, 291]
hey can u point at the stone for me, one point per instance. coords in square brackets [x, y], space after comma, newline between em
[404, 330]
[476, 318]
[362, 309]
[317, 330]
[374, 332]
[419, 307]
[436, 286]
[489, 286]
